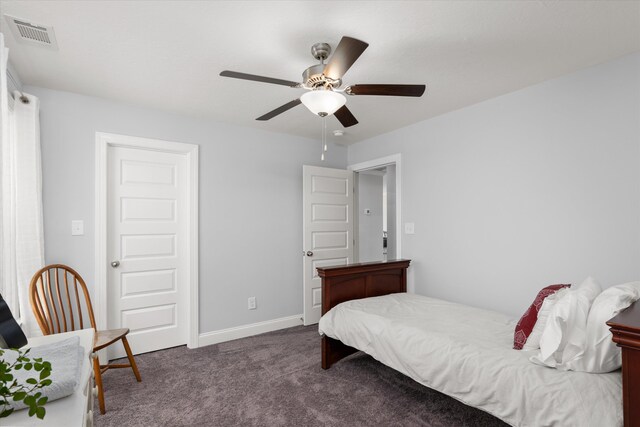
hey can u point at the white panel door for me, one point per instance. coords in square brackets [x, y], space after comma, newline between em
[147, 226]
[328, 229]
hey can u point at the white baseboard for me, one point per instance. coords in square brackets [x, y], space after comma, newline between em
[215, 337]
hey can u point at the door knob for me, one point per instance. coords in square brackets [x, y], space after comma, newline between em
[115, 264]
[309, 253]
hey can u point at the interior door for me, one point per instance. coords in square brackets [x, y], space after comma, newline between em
[328, 229]
[147, 225]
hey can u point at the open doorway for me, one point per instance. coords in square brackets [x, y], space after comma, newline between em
[377, 209]
[376, 204]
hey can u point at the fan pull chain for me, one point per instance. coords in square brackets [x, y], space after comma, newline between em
[323, 145]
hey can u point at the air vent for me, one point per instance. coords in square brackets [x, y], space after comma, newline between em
[28, 32]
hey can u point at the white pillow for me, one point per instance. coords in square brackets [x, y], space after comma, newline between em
[601, 354]
[533, 340]
[564, 334]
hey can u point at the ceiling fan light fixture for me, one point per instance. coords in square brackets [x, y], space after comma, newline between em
[323, 102]
[323, 78]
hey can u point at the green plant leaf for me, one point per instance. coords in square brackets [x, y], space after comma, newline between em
[11, 390]
[6, 413]
[19, 395]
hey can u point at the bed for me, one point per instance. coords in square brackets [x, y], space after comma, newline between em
[467, 353]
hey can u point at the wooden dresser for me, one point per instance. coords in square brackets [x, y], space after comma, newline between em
[75, 410]
[625, 328]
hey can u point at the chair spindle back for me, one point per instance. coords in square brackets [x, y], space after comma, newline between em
[56, 301]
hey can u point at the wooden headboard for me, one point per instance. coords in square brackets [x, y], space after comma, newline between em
[368, 279]
[354, 281]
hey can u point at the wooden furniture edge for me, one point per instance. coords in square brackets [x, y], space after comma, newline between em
[625, 328]
[354, 281]
[362, 267]
[334, 350]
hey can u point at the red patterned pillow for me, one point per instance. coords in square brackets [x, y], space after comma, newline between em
[530, 317]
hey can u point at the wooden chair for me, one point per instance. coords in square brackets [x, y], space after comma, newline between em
[53, 292]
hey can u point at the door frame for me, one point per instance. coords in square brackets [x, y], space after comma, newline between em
[103, 142]
[394, 159]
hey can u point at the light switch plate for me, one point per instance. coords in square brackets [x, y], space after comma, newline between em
[77, 227]
[409, 228]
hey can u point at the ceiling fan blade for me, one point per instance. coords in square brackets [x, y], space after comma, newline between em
[347, 52]
[386, 90]
[262, 79]
[279, 110]
[345, 117]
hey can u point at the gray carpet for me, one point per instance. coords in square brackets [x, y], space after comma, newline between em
[273, 379]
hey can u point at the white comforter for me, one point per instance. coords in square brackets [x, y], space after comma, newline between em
[467, 353]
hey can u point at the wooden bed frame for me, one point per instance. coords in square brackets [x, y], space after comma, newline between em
[355, 281]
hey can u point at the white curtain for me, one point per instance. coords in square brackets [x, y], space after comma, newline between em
[22, 226]
[7, 275]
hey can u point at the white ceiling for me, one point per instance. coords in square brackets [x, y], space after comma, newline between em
[168, 54]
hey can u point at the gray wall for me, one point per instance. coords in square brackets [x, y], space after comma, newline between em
[535, 187]
[250, 200]
[369, 226]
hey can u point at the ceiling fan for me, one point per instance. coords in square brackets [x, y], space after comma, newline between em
[323, 81]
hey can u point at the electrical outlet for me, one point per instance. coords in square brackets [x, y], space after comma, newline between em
[251, 303]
